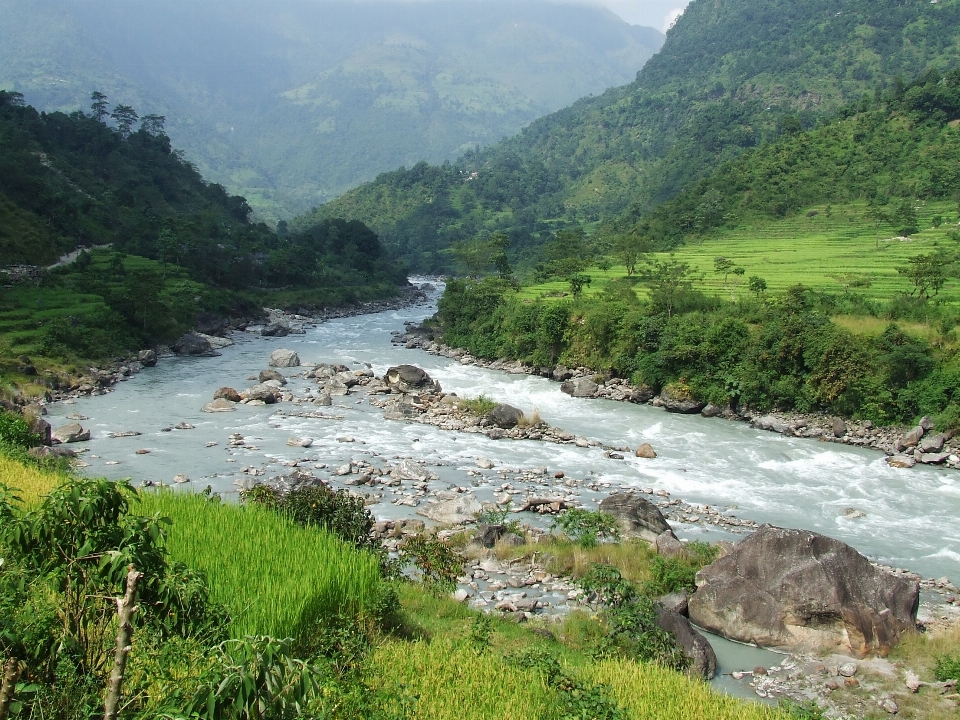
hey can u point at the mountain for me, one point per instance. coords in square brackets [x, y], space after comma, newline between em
[731, 75]
[150, 245]
[291, 103]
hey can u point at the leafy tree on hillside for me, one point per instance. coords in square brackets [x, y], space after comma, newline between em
[99, 105]
[124, 116]
[928, 273]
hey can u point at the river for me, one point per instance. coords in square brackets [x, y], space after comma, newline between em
[909, 516]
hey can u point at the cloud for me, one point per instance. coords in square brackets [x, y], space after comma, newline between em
[660, 14]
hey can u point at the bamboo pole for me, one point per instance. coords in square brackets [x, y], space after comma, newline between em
[126, 607]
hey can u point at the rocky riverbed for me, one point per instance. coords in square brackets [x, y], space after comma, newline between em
[904, 446]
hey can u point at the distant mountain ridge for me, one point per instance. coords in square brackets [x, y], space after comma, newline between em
[732, 75]
[291, 103]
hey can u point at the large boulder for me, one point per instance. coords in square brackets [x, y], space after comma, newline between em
[38, 426]
[266, 375]
[461, 509]
[771, 423]
[911, 438]
[580, 388]
[193, 344]
[284, 358]
[411, 470]
[219, 405]
[797, 590]
[147, 358]
[410, 378]
[71, 433]
[263, 392]
[505, 416]
[227, 393]
[676, 401]
[638, 517]
[695, 647]
[274, 330]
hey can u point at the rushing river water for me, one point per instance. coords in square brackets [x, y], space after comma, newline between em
[910, 515]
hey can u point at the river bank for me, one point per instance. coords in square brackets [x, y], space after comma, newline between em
[904, 446]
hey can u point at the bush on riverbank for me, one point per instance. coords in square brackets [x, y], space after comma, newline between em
[781, 352]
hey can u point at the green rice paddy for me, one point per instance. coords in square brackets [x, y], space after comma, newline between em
[275, 577]
[826, 249]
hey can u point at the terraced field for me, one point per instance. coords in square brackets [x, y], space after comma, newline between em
[822, 248]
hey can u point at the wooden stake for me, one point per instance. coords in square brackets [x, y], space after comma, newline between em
[11, 671]
[126, 607]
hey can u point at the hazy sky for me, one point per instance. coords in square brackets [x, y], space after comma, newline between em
[655, 13]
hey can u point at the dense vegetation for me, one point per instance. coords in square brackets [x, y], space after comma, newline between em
[894, 150]
[277, 609]
[764, 352]
[290, 104]
[178, 246]
[730, 77]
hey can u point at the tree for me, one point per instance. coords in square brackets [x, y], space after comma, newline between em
[905, 216]
[723, 266]
[124, 116]
[99, 105]
[577, 283]
[757, 285]
[928, 274]
[153, 124]
[630, 248]
[669, 281]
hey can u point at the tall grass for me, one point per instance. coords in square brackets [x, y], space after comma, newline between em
[650, 691]
[275, 577]
[451, 682]
[30, 483]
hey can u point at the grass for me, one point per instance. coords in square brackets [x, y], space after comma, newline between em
[449, 679]
[564, 557]
[275, 577]
[649, 691]
[451, 682]
[478, 406]
[828, 251]
[30, 482]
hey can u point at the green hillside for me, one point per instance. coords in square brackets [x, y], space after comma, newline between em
[731, 76]
[291, 103]
[149, 246]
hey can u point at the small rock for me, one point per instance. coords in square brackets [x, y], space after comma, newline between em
[848, 669]
[181, 478]
[142, 451]
[890, 706]
[484, 463]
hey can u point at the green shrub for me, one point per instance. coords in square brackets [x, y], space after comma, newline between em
[587, 527]
[439, 564]
[632, 619]
[479, 406]
[15, 431]
[947, 667]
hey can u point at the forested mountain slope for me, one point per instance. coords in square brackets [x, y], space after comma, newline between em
[290, 103]
[894, 150]
[164, 245]
[731, 75]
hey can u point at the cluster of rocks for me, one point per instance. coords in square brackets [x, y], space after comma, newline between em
[905, 446]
